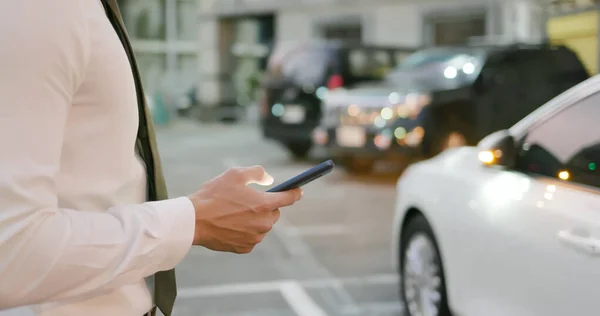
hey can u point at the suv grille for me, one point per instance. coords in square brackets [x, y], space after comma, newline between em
[352, 115]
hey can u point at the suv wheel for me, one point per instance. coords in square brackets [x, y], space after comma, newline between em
[422, 288]
[299, 149]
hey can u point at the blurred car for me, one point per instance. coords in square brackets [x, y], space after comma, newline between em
[512, 226]
[443, 97]
[299, 75]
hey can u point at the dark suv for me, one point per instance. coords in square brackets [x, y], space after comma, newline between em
[299, 76]
[443, 97]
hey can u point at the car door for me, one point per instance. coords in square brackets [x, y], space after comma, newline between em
[540, 245]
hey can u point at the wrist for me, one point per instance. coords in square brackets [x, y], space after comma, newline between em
[199, 229]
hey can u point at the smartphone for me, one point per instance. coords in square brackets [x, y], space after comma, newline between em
[305, 177]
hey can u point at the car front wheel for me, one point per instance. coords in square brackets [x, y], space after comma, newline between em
[422, 287]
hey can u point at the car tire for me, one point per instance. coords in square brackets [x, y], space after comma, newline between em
[419, 252]
[448, 140]
[358, 165]
[299, 150]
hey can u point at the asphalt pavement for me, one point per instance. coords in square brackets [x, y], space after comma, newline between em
[329, 255]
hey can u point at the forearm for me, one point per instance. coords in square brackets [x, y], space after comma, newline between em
[60, 254]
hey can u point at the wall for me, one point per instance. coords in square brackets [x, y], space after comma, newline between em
[579, 31]
[165, 44]
[403, 23]
[392, 22]
[380, 23]
[524, 21]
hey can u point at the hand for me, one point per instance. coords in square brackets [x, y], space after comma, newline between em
[232, 217]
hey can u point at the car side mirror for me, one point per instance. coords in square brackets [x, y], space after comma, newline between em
[498, 149]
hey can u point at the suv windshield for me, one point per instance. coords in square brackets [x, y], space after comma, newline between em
[427, 57]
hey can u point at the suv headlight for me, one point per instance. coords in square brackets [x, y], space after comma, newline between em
[411, 105]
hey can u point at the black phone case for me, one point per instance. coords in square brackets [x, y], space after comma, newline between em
[305, 177]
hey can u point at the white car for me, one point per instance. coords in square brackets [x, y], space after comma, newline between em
[510, 227]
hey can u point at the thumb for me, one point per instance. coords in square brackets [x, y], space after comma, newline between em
[257, 175]
[282, 199]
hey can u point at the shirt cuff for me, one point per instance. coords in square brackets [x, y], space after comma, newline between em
[179, 219]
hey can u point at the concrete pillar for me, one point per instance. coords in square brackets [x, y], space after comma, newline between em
[214, 42]
[209, 62]
[523, 20]
[171, 63]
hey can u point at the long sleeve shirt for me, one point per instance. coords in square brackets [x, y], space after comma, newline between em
[76, 235]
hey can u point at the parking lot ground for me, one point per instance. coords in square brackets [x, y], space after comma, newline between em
[329, 255]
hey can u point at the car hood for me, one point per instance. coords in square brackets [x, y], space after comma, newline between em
[425, 79]
[458, 162]
[385, 88]
[365, 95]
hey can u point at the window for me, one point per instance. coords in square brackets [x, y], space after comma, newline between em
[369, 62]
[350, 33]
[566, 146]
[154, 68]
[458, 30]
[187, 22]
[145, 19]
[400, 57]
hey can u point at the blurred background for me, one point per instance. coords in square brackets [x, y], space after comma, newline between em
[211, 51]
[289, 83]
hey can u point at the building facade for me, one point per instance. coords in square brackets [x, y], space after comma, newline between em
[577, 25]
[375, 22]
[209, 45]
[164, 35]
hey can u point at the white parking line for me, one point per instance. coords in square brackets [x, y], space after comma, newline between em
[273, 286]
[299, 300]
[296, 247]
[376, 308]
[229, 289]
[316, 230]
[299, 248]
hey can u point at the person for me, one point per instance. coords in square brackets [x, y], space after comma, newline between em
[84, 219]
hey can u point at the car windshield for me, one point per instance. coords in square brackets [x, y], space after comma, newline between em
[438, 69]
[303, 65]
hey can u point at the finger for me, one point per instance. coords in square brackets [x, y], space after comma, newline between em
[270, 220]
[243, 250]
[283, 199]
[275, 216]
[256, 175]
[265, 221]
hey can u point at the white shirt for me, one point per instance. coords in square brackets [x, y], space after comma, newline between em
[76, 237]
